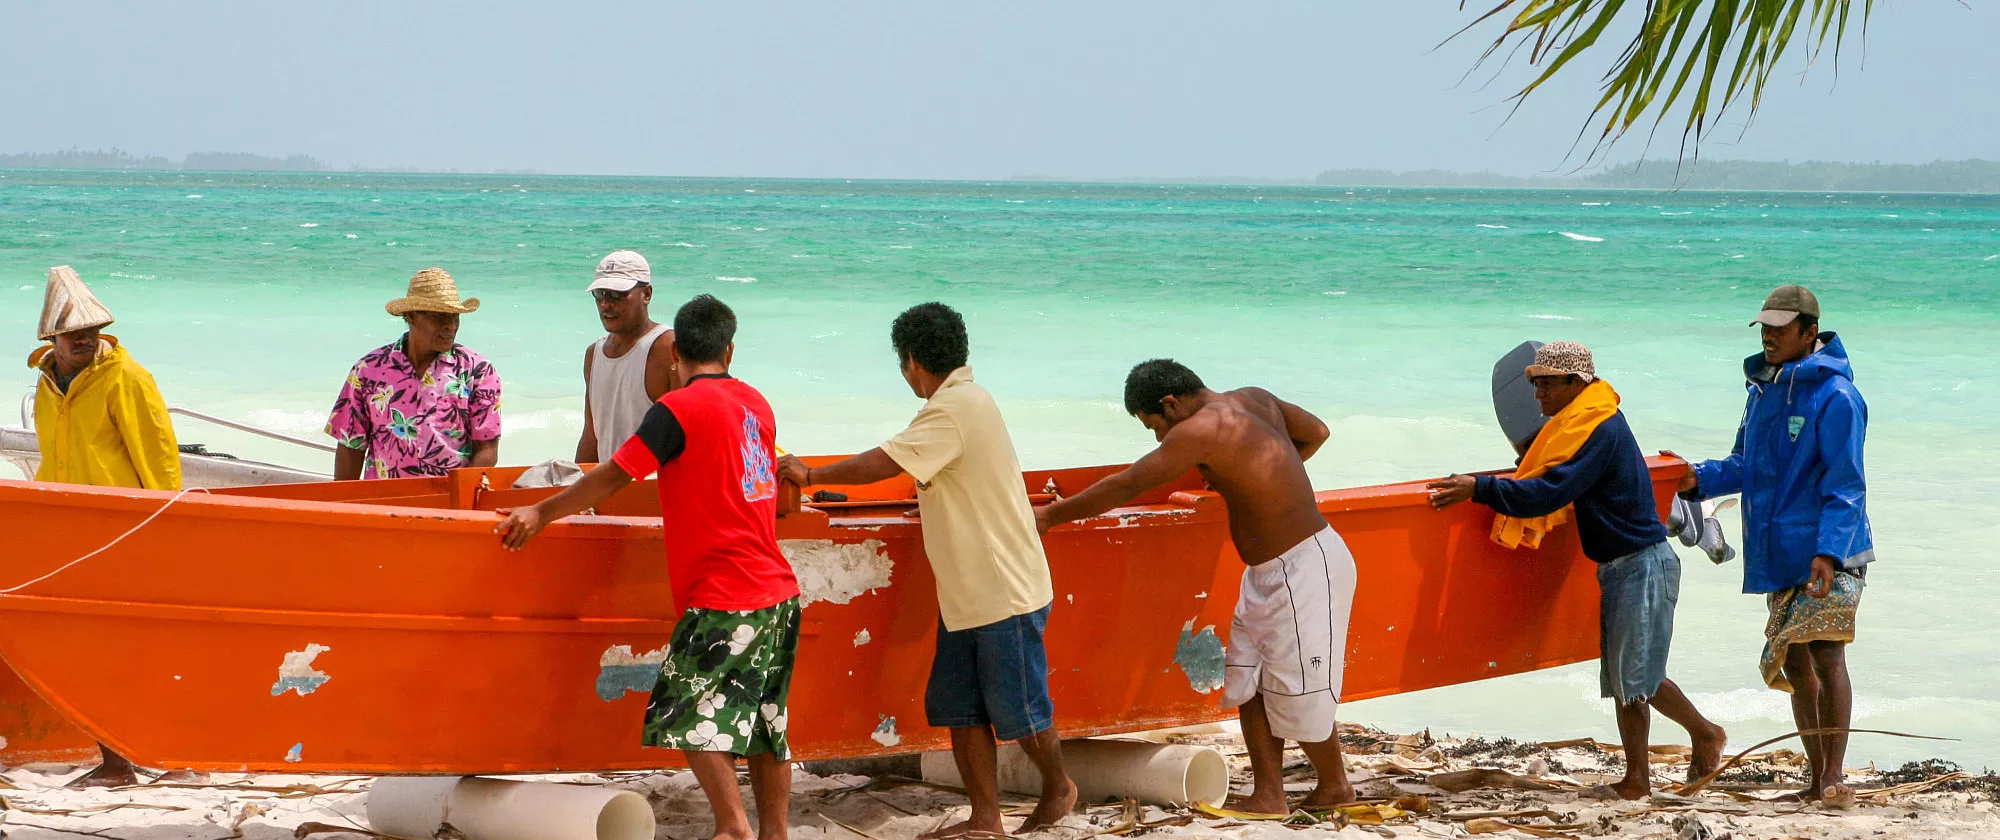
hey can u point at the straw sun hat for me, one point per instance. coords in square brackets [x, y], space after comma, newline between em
[68, 305]
[432, 290]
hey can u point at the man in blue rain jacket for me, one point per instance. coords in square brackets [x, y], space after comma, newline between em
[1806, 540]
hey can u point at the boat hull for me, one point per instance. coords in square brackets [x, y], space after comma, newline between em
[316, 628]
[31, 731]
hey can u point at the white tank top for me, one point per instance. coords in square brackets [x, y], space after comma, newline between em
[618, 398]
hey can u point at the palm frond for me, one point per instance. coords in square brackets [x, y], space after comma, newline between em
[1677, 40]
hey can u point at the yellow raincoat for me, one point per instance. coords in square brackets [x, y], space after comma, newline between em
[110, 429]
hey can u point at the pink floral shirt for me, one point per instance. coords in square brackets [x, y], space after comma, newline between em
[411, 426]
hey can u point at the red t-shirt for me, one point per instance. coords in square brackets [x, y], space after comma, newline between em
[714, 445]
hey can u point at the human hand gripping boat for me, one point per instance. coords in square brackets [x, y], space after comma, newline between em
[378, 627]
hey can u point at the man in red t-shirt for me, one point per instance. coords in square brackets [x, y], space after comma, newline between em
[722, 691]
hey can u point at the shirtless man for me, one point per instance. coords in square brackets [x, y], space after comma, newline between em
[1288, 643]
[632, 366]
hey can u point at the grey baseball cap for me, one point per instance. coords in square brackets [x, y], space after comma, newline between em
[1786, 304]
[622, 271]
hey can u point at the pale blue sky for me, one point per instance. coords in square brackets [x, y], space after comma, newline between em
[903, 88]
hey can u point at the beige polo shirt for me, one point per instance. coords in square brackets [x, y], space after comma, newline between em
[979, 529]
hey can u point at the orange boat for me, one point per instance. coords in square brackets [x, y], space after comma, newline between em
[378, 627]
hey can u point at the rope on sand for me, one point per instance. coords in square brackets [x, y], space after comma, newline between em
[107, 546]
[1693, 787]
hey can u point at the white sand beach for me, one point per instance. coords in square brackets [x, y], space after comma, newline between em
[1418, 787]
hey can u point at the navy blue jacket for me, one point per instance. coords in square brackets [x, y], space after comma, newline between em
[1797, 462]
[1606, 480]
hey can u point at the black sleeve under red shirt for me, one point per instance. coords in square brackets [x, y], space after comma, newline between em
[659, 439]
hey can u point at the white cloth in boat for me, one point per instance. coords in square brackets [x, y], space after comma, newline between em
[979, 530]
[555, 473]
[1288, 641]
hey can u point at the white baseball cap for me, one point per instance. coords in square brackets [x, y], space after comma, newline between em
[622, 271]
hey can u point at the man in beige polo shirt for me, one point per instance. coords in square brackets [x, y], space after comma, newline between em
[989, 679]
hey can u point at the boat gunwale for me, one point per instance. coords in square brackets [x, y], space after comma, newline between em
[1181, 506]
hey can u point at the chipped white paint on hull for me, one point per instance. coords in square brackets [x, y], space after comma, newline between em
[296, 754]
[837, 572]
[623, 655]
[861, 638]
[620, 670]
[298, 674]
[886, 733]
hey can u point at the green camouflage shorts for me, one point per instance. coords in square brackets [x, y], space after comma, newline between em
[725, 683]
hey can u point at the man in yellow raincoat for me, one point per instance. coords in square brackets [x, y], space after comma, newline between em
[98, 414]
[99, 419]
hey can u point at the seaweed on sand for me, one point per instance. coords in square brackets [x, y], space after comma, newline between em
[1497, 748]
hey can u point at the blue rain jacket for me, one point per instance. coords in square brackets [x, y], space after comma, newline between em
[1797, 463]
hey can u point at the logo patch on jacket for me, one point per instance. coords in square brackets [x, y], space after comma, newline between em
[1794, 425]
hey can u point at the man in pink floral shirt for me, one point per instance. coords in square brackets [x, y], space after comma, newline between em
[423, 405]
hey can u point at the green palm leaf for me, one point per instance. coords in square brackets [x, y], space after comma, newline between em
[1681, 40]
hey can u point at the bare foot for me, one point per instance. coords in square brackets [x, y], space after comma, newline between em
[1625, 790]
[1325, 798]
[964, 828]
[108, 774]
[1708, 748]
[1836, 797]
[732, 835]
[1257, 803]
[1054, 805]
[1630, 790]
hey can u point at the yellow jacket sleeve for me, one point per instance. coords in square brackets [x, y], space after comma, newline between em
[140, 414]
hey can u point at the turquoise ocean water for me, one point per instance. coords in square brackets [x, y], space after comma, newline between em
[1381, 310]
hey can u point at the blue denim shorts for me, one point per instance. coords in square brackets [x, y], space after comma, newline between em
[1639, 594]
[994, 675]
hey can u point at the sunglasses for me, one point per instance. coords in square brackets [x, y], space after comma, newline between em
[609, 296]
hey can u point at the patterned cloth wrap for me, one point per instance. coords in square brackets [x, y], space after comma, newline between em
[1798, 618]
[725, 683]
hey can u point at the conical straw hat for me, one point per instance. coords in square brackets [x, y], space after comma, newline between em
[432, 290]
[68, 305]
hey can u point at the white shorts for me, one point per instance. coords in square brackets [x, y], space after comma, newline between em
[1289, 639]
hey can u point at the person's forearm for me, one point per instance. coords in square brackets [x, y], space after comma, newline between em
[865, 468]
[1107, 493]
[586, 448]
[485, 453]
[601, 483]
[347, 463]
[1525, 498]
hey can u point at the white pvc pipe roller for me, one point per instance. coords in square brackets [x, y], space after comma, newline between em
[1159, 774]
[496, 809]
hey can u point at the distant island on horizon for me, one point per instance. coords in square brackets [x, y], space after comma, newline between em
[119, 160]
[1944, 176]
[1960, 176]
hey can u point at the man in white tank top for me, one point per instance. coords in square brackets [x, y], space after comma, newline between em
[628, 369]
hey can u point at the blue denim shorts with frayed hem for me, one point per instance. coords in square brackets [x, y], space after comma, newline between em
[1639, 594]
[994, 675]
